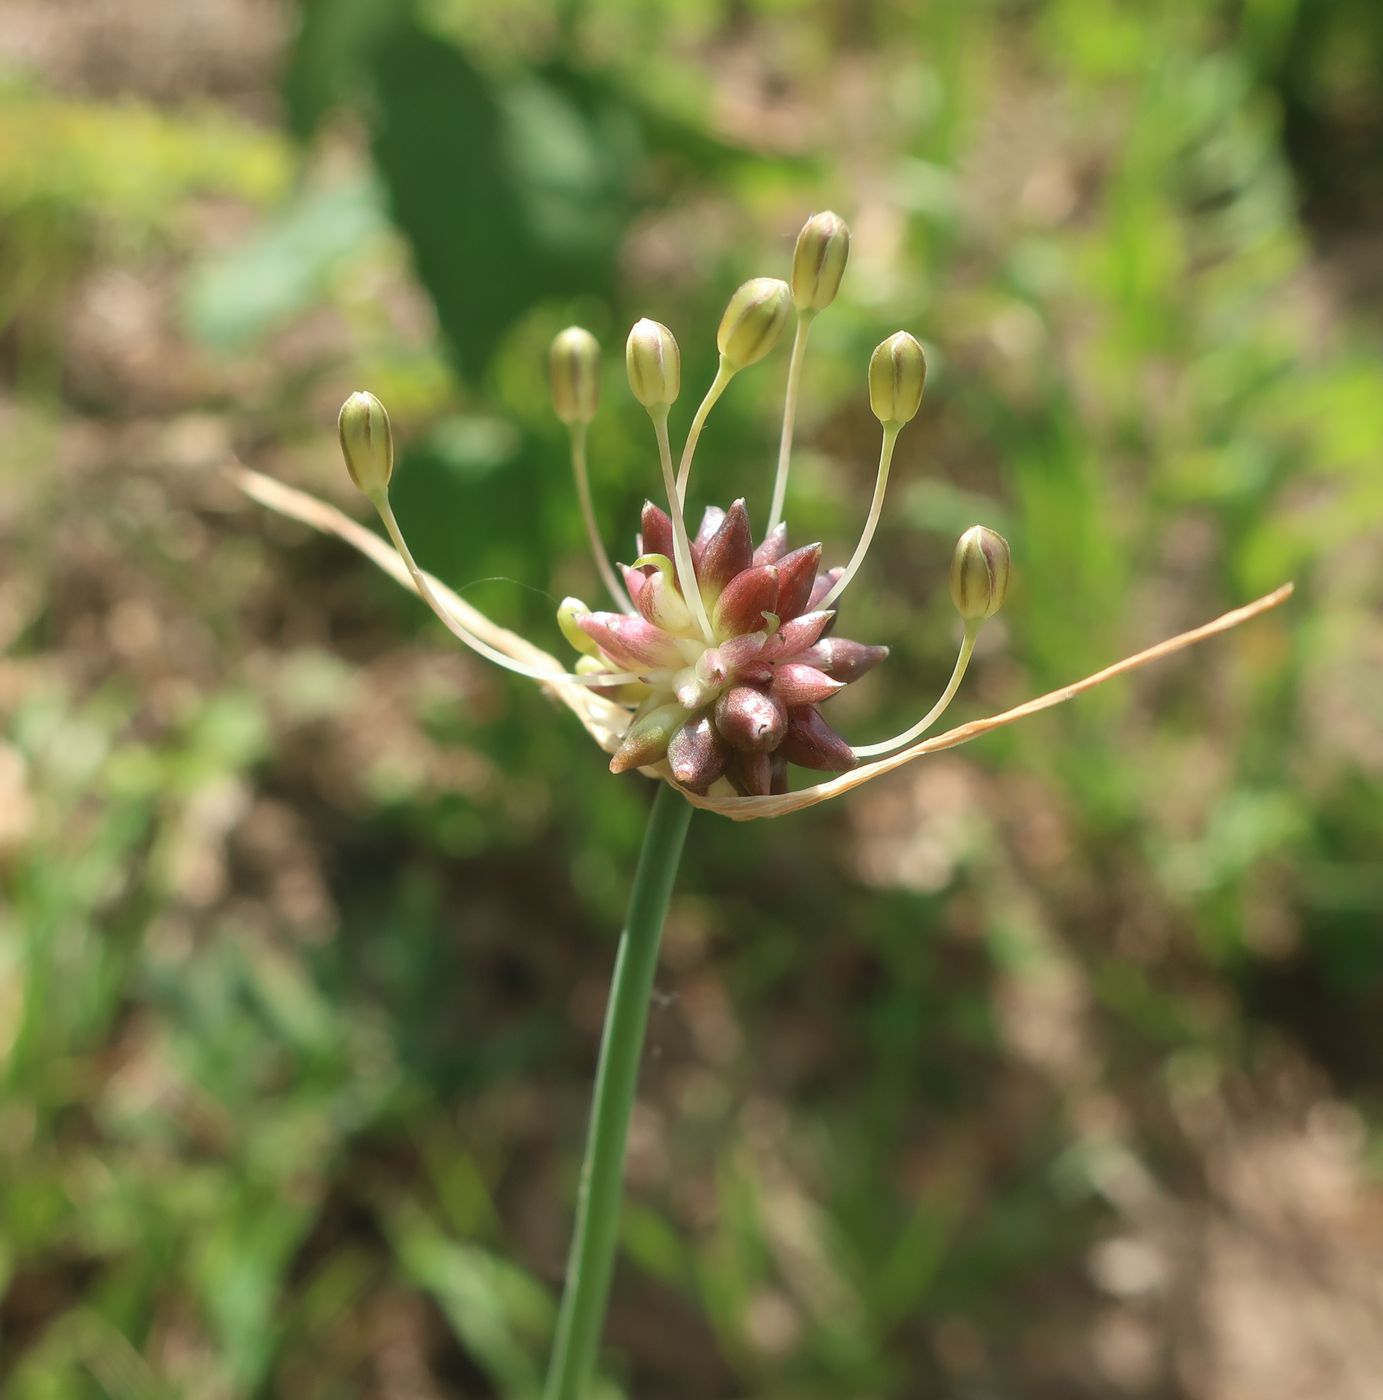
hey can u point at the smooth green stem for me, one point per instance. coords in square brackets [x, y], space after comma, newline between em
[603, 566]
[799, 351]
[891, 431]
[967, 647]
[591, 1261]
[724, 374]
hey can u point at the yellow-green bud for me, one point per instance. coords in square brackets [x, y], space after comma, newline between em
[367, 443]
[979, 573]
[818, 261]
[753, 321]
[574, 370]
[567, 613]
[654, 363]
[897, 374]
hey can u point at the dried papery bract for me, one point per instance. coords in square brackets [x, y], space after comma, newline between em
[367, 444]
[606, 722]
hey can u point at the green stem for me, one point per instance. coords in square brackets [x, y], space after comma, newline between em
[602, 1173]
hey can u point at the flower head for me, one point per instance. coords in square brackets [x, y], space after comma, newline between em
[712, 667]
[744, 702]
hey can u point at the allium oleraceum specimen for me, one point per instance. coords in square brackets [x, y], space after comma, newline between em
[721, 653]
[712, 668]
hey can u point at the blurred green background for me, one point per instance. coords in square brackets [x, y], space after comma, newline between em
[1045, 1068]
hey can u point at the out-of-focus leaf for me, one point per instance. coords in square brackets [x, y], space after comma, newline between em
[498, 1312]
[234, 299]
[509, 193]
[326, 65]
[239, 1269]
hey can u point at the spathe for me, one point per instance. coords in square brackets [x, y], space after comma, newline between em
[606, 722]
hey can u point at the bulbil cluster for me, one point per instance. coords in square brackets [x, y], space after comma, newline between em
[721, 652]
[744, 703]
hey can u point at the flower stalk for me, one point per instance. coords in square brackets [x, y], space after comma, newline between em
[596, 1233]
[577, 436]
[711, 674]
[798, 354]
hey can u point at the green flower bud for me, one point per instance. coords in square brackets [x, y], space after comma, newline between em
[567, 613]
[654, 363]
[979, 573]
[753, 321]
[897, 374]
[574, 370]
[818, 261]
[367, 443]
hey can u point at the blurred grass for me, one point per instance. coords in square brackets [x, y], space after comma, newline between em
[302, 948]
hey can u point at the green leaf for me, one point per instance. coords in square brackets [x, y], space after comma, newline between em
[509, 192]
[328, 62]
[235, 299]
[498, 1312]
